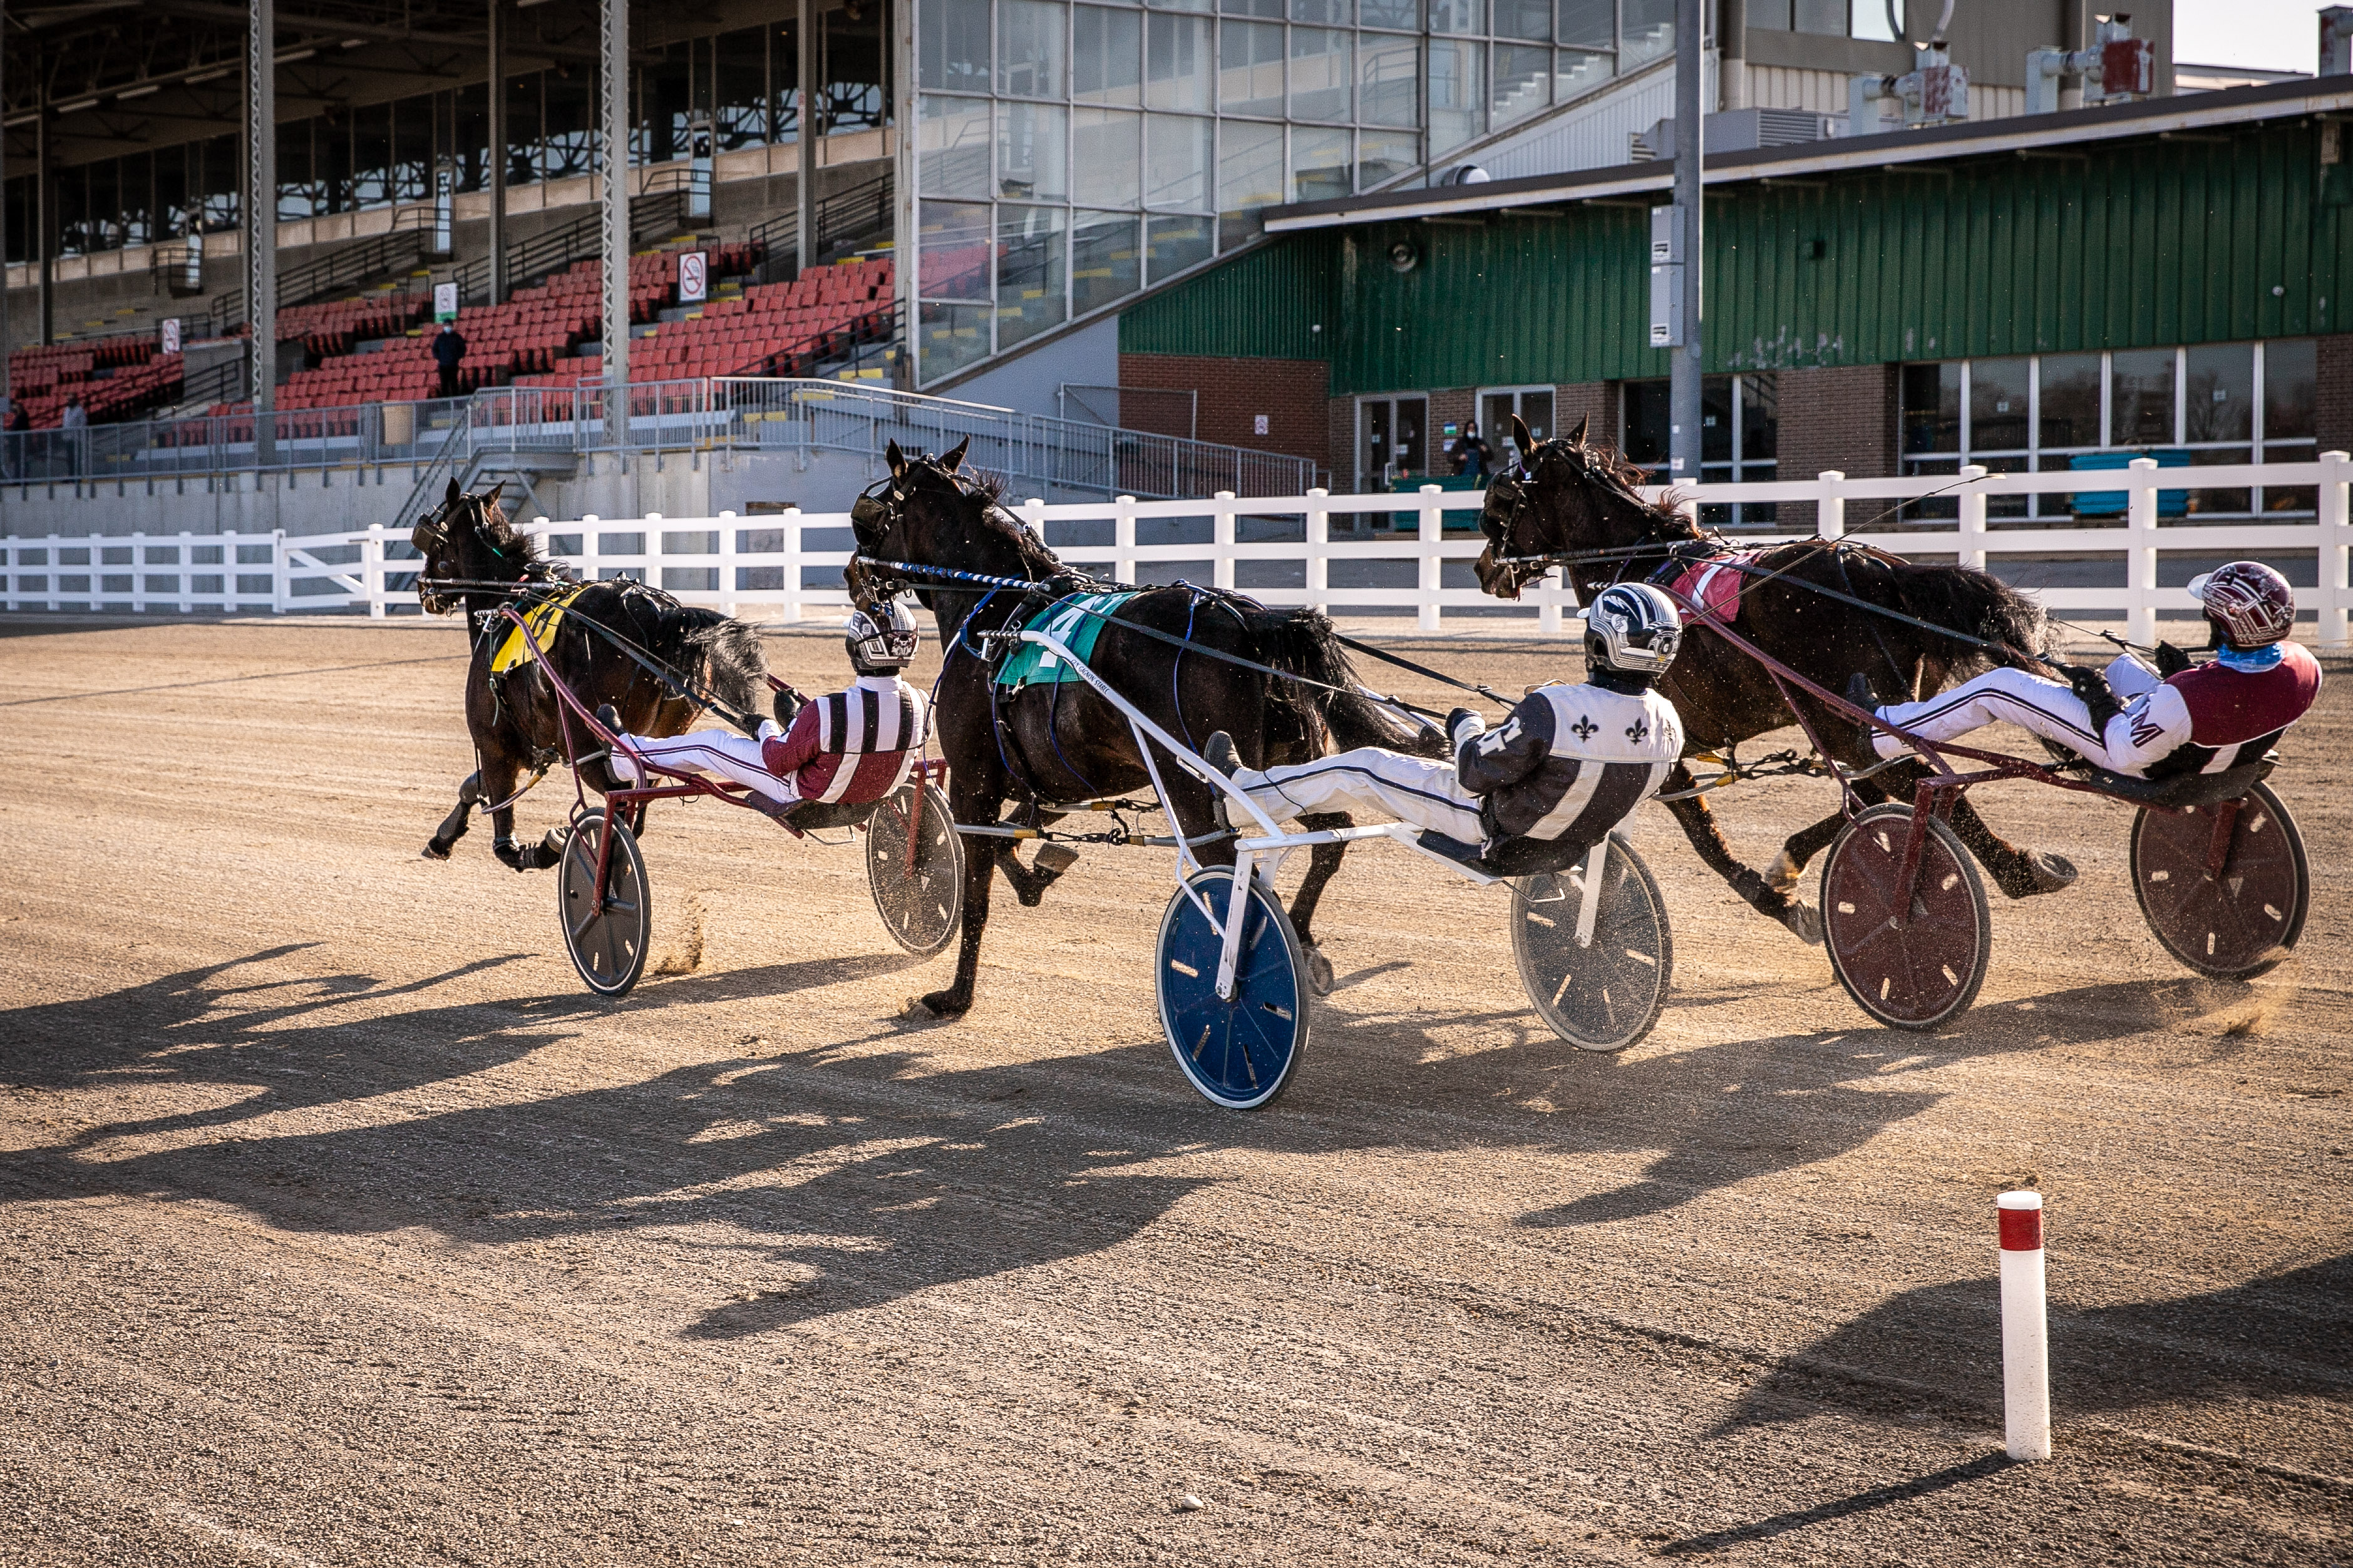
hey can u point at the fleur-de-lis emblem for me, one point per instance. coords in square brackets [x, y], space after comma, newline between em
[1584, 728]
[1639, 730]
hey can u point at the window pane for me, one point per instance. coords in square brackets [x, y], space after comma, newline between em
[1105, 260]
[1323, 12]
[954, 45]
[1575, 71]
[1177, 65]
[2141, 399]
[1760, 418]
[1250, 69]
[1106, 56]
[1458, 15]
[1319, 164]
[1176, 243]
[1715, 419]
[1645, 412]
[1383, 155]
[1029, 272]
[1650, 32]
[1997, 405]
[1403, 14]
[571, 143]
[1270, 9]
[2291, 389]
[1524, 19]
[1457, 93]
[1180, 4]
[1249, 167]
[1880, 19]
[743, 89]
[1321, 68]
[954, 251]
[1177, 167]
[1029, 49]
[2070, 393]
[1589, 23]
[1388, 74]
[1772, 13]
[952, 146]
[1107, 157]
[1825, 18]
[1523, 82]
[372, 156]
[2218, 388]
[949, 337]
[1932, 407]
[1032, 140]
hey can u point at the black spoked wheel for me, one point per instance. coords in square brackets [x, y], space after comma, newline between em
[914, 863]
[1606, 993]
[1911, 963]
[606, 937]
[1240, 1051]
[2236, 924]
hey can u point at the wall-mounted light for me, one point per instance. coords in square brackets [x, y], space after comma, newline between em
[80, 103]
[128, 93]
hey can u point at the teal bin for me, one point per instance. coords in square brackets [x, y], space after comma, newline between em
[2115, 503]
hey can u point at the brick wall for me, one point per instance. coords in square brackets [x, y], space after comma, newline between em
[2333, 418]
[1842, 418]
[1234, 391]
[1596, 400]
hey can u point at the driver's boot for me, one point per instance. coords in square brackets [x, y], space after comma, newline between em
[1218, 751]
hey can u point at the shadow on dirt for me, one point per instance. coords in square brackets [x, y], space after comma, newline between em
[1842, 1507]
[2284, 1336]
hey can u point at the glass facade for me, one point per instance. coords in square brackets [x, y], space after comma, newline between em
[1740, 430]
[352, 158]
[2197, 406]
[1070, 153]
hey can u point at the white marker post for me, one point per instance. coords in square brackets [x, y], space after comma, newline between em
[2025, 1334]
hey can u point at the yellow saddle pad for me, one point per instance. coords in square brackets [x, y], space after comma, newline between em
[543, 619]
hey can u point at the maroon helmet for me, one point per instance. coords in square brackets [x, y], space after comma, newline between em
[2252, 603]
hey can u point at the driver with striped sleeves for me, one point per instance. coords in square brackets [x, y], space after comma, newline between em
[1535, 792]
[853, 746]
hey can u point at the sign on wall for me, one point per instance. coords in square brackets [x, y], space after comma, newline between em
[693, 277]
[445, 301]
[171, 335]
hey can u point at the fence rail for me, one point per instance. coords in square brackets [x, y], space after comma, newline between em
[789, 566]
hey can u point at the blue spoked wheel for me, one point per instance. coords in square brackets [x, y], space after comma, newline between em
[1242, 1050]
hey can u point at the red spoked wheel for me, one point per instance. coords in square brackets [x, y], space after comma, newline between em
[2242, 922]
[1915, 963]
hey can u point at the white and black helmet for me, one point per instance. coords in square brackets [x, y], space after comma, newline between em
[881, 639]
[1633, 629]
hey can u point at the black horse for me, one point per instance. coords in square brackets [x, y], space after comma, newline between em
[471, 554]
[1050, 745]
[1574, 497]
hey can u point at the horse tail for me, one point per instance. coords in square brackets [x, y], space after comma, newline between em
[1964, 599]
[1305, 642]
[734, 662]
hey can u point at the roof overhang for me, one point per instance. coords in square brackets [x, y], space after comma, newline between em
[2196, 113]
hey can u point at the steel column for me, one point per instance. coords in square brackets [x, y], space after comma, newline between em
[262, 214]
[812, 21]
[613, 82]
[6, 343]
[498, 170]
[906, 238]
[45, 205]
[1683, 362]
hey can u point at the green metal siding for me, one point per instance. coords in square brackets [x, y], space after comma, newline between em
[2142, 245]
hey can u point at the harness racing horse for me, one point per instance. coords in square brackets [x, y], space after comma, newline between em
[1059, 744]
[1573, 497]
[471, 552]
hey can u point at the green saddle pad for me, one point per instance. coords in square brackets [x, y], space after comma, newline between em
[1076, 623]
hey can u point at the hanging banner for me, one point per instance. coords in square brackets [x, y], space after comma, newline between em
[693, 277]
[171, 335]
[445, 301]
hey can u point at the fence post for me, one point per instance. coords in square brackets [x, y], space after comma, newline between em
[1830, 511]
[2140, 551]
[1319, 547]
[651, 522]
[187, 560]
[281, 580]
[55, 543]
[2336, 529]
[372, 570]
[1221, 540]
[138, 573]
[589, 547]
[1972, 535]
[1123, 538]
[1433, 530]
[727, 564]
[792, 563]
[1033, 514]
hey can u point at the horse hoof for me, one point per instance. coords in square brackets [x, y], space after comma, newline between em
[1053, 859]
[2051, 872]
[1319, 977]
[435, 852]
[939, 1005]
[1783, 873]
[1805, 922]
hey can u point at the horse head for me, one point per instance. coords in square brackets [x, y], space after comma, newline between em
[1564, 495]
[469, 538]
[927, 513]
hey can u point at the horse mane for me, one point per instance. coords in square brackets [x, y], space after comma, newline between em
[501, 530]
[1621, 473]
[988, 490]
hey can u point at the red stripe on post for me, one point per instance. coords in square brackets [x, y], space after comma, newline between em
[2022, 1230]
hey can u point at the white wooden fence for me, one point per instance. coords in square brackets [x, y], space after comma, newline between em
[706, 561]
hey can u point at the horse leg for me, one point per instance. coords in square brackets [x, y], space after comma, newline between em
[1031, 882]
[499, 775]
[1322, 864]
[2018, 872]
[979, 879]
[453, 827]
[1699, 825]
[1808, 842]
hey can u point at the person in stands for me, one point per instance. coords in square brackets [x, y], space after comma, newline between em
[448, 353]
[853, 746]
[1470, 453]
[2182, 718]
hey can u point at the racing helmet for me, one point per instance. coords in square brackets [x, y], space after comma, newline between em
[2251, 603]
[1633, 629]
[881, 639]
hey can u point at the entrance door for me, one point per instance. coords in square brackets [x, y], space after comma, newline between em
[1391, 440]
[1496, 407]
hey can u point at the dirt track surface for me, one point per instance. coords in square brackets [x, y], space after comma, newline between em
[338, 1225]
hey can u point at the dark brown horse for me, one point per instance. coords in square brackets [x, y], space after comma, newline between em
[472, 552]
[1576, 497]
[1050, 745]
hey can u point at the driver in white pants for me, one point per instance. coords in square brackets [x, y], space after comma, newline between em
[1569, 763]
